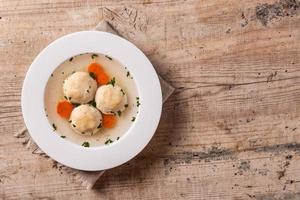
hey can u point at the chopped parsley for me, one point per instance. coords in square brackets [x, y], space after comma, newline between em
[133, 119]
[128, 73]
[108, 141]
[119, 113]
[70, 98]
[54, 127]
[112, 81]
[87, 91]
[62, 136]
[126, 105]
[86, 144]
[100, 125]
[83, 133]
[71, 59]
[118, 138]
[108, 57]
[74, 125]
[92, 103]
[92, 75]
[94, 56]
[138, 101]
[123, 91]
[66, 97]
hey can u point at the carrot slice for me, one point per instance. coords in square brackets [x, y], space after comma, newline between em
[64, 109]
[95, 68]
[109, 121]
[101, 76]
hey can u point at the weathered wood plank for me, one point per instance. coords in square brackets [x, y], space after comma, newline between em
[230, 131]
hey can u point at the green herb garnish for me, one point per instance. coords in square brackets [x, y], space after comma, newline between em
[126, 105]
[92, 103]
[87, 91]
[119, 113]
[118, 138]
[123, 91]
[100, 125]
[74, 125]
[112, 81]
[66, 97]
[86, 144]
[54, 127]
[70, 121]
[94, 56]
[92, 75]
[138, 101]
[108, 141]
[128, 73]
[70, 98]
[71, 59]
[108, 57]
[133, 119]
[62, 136]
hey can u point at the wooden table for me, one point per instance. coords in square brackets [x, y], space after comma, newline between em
[230, 131]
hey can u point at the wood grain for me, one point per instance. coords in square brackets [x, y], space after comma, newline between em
[230, 131]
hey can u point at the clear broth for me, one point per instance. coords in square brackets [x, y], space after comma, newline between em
[54, 94]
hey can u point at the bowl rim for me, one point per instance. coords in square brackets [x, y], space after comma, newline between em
[100, 157]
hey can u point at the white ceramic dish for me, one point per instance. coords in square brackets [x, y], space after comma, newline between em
[101, 157]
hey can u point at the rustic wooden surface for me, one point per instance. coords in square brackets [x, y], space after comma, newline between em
[230, 131]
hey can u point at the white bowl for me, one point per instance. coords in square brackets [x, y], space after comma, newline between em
[101, 157]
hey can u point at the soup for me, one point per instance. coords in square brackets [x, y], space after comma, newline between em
[91, 100]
